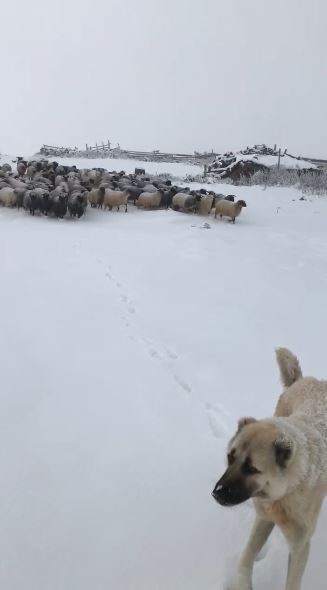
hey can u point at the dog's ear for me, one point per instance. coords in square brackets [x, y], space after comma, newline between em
[283, 448]
[244, 421]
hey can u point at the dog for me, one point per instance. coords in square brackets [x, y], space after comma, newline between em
[281, 463]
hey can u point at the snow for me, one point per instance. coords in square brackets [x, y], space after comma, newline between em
[131, 344]
[272, 161]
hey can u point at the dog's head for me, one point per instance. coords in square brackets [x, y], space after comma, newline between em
[258, 457]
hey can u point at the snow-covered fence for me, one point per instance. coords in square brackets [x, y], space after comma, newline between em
[105, 150]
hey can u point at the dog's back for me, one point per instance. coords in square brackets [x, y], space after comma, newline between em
[304, 396]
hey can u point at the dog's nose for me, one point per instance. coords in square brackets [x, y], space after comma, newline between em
[218, 492]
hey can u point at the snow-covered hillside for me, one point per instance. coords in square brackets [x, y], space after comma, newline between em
[130, 345]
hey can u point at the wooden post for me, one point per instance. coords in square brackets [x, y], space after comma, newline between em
[278, 165]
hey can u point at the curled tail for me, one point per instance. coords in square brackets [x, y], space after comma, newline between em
[289, 366]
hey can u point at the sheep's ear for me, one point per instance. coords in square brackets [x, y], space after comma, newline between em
[283, 450]
[244, 421]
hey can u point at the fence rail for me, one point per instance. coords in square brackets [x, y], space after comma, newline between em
[105, 150]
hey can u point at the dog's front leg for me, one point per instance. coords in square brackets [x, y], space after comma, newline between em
[297, 561]
[259, 535]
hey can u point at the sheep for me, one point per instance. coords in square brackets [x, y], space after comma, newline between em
[149, 188]
[226, 208]
[59, 179]
[205, 204]
[76, 204]
[150, 200]
[21, 168]
[183, 202]
[20, 192]
[95, 197]
[37, 200]
[133, 193]
[27, 202]
[59, 205]
[30, 171]
[15, 183]
[114, 198]
[167, 197]
[8, 197]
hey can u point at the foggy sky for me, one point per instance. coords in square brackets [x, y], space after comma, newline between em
[173, 75]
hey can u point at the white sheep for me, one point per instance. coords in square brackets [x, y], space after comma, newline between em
[205, 204]
[31, 169]
[149, 200]
[59, 179]
[228, 209]
[114, 198]
[183, 202]
[8, 197]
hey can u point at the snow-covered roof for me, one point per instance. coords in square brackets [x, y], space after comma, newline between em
[269, 161]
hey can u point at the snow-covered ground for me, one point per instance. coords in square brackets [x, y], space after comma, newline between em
[130, 345]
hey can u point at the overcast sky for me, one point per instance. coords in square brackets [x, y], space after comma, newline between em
[164, 74]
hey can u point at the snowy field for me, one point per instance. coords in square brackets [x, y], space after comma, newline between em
[131, 344]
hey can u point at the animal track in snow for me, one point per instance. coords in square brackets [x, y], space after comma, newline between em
[171, 354]
[216, 421]
[182, 384]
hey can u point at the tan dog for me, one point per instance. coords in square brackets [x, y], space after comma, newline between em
[281, 463]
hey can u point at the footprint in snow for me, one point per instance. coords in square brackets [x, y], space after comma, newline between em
[171, 354]
[154, 353]
[216, 421]
[182, 384]
[131, 309]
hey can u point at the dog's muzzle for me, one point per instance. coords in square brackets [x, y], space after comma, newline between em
[230, 494]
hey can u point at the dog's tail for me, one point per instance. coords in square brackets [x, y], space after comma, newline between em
[289, 366]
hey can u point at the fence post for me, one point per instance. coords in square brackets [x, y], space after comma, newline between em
[278, 165]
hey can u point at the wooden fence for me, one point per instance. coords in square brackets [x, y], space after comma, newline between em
[105, 150]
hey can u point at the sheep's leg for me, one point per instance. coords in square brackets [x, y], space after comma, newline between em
[126, 208]
[233, 220]
[117, 207]
[215, 214]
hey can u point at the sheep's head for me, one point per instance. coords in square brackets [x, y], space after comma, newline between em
[241, 203]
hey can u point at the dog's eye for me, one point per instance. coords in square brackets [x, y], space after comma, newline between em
[249, 469]
[231, 457]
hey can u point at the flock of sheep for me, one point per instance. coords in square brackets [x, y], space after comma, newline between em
[52, 189]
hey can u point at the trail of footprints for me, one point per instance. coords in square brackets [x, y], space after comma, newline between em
[215, 412]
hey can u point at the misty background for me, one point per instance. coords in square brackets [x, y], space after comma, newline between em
[164, 74]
